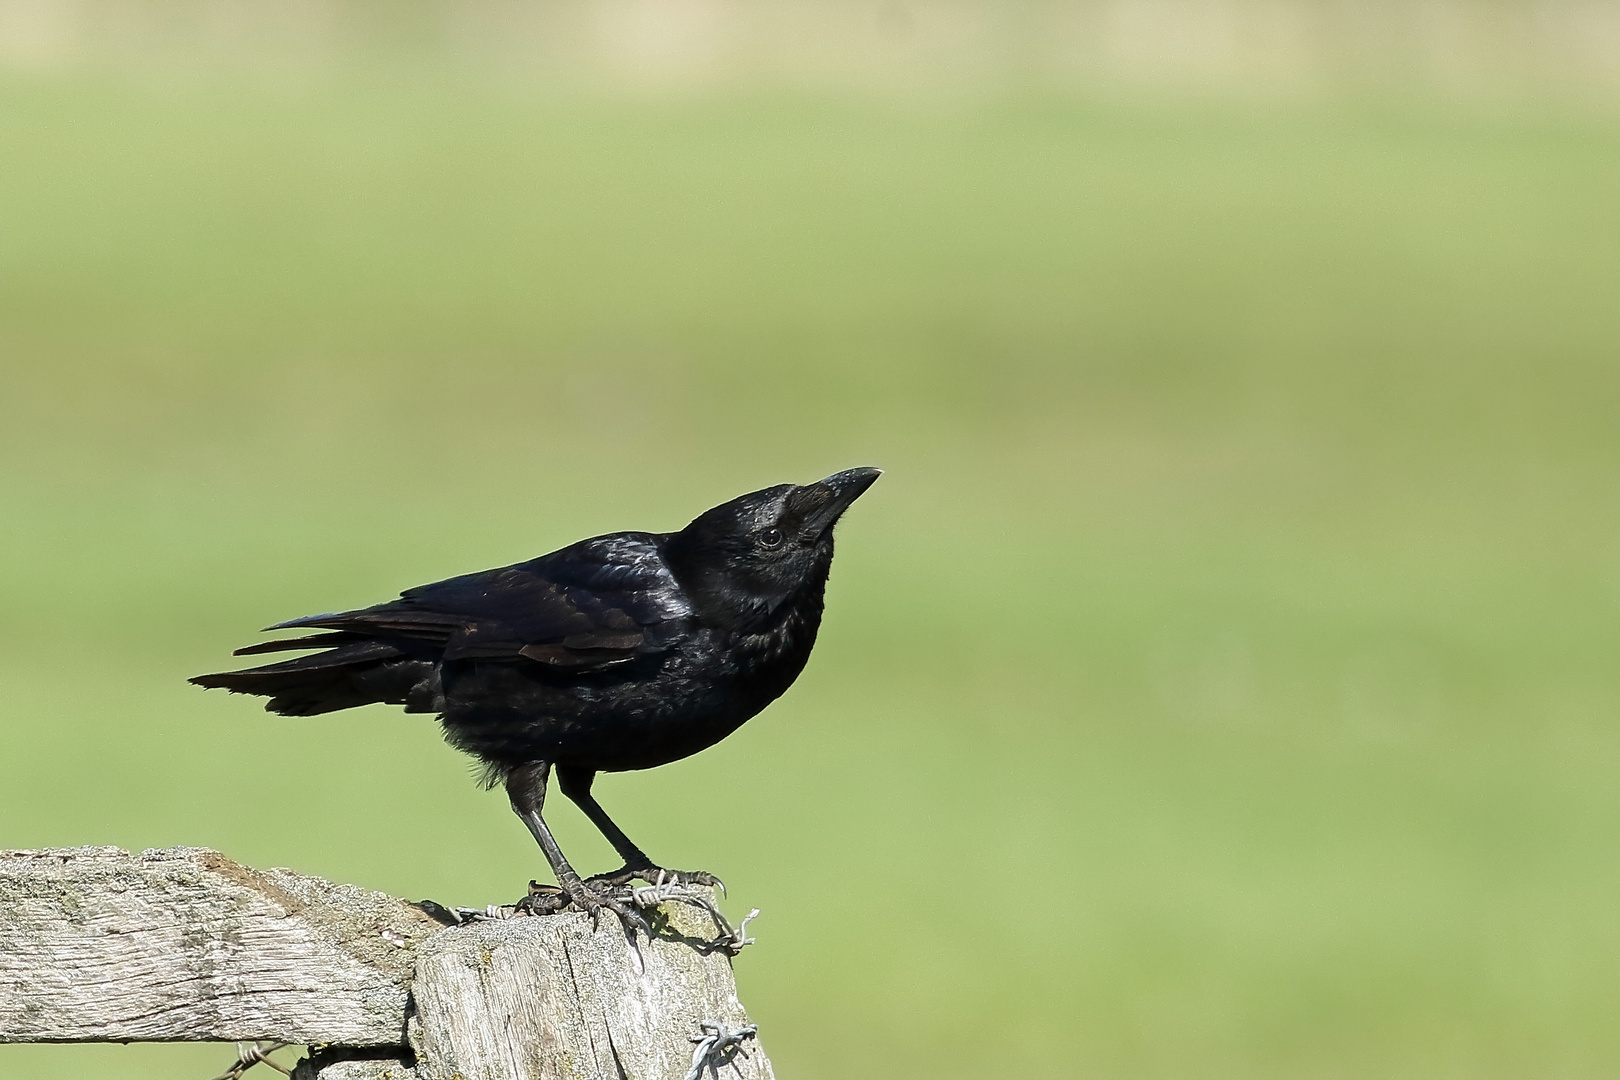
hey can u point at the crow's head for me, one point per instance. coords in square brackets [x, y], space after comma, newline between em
[745, 558]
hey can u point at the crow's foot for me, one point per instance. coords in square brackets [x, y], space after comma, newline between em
[588, 896]
[541, 900]
[657, 875]
[614, 892]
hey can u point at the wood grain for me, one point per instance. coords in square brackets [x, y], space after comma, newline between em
[182, 944]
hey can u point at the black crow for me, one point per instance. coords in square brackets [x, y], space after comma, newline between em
[624, 651]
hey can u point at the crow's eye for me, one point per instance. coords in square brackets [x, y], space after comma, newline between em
[771, 538]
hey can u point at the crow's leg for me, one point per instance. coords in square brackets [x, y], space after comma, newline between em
[526, 787]
[576, 784]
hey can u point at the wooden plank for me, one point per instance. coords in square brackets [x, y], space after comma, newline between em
[97, 945]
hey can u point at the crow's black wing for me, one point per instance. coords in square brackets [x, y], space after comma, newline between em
[585, 606]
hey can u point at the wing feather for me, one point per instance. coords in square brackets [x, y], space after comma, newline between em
[589, 605]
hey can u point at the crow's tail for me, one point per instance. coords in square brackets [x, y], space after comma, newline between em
[349, 670]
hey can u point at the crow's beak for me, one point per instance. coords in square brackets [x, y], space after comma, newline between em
[828, 499]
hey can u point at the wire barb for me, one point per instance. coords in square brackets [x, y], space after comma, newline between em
[251, 1054]
[666, 888]
[736, 941]
[731, 939]
[717, 1045]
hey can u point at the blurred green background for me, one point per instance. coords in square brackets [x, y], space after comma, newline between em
[1220, 682]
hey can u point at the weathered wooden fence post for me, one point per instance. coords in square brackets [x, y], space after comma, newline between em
[182, 944]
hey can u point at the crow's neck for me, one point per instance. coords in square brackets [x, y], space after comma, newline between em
[781, 644]
[763, 632]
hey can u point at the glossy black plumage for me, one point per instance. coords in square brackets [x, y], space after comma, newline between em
[623, 651]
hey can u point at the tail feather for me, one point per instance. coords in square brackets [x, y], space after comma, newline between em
[358, 672]
[314, 641]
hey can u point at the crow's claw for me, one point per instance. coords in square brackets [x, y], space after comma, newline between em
[657, 875]
[542, 900]
[590, 896]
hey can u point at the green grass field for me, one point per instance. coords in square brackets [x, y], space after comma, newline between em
[1220, 683]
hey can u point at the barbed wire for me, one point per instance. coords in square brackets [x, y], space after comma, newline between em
[718, 1044]
[257, 1053]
